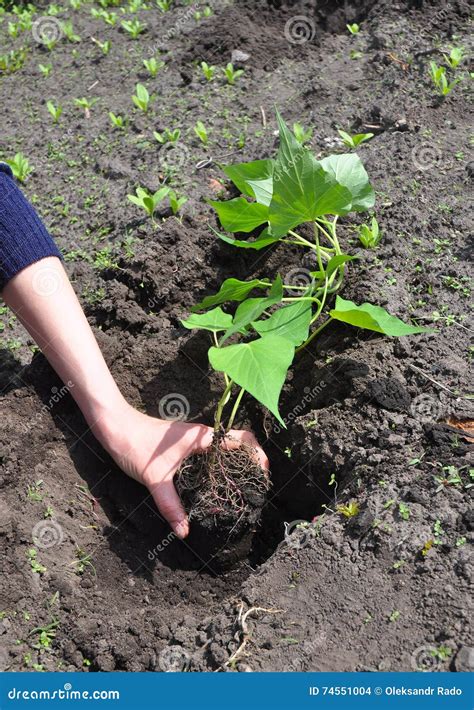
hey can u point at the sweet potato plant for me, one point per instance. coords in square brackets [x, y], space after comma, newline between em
[255, 344]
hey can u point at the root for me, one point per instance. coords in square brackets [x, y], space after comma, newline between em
[221, 481]
[243, 634]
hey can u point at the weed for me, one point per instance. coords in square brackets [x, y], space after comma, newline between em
[147, 201]
[32, 555]
[354, 28]
[208, 71]
[133, 27]
[370, 236]
[141, 97]
[232, 74]
[352, 141]
[176, 202]
[153, 66]
[20, 166]
[45, 69]
[117, 121]
[167, 136]
[201, 132]
[440, 79]
[349, 510]
[55, 111]
[302, 134]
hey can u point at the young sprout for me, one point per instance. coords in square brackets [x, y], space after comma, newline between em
[86, 105]
[14, 29]
[440, 80]
[117, 121]
[164, 5]
[133, 27]
[208, 71]
[105, 47]
[153, 66]
[404, 511]
[55, 111]
[168, 136]
[370, 236]
[69, 33]
[302, 134]
[176, 202]
[349, 510]
[141, 98]
[231, 73]
[455, 57]
[354, 29]
[45, 69]
[20, 167]
[352, 141]
[201, 132]
[32, 554]
[147, 201]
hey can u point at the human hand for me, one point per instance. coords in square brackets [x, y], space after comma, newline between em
[152, 450]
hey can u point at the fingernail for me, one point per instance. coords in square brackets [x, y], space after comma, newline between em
[181, 530]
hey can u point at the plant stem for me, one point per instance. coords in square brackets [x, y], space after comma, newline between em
[234, 409]
[313, 335]
[220, 406]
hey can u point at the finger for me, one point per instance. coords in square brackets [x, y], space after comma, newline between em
[168, 503]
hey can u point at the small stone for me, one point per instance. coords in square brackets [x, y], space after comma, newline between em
[238, 57]
[464, 661]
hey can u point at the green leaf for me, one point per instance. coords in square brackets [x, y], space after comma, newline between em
[241, 174]
[160, 195]
[264, 239]
[334, 263]
[302, 188]
[372, 318]
[215, 320]
[348, 170]
[230, 290]
[291, 322]
[253, 308]
[259, 367]
[238, 215]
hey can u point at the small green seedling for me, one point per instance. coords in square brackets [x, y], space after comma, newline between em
[164, 5]
[153, 66]
[82, 562]
[69, 33]
[104, 47]
[349, 510]
[302, 134]
[20, 166]
[201, 132]
[370, 236]
[354, 29]
[176, 202]
[117, 121]
[232, 74]
[167, 136]
[133, 27]
[455, 57]
[55, 111]
[86, 105]
[141, 97]
[208, 71]
[45, 69]
[404, 511]
[147, 201]
[440, 79]
[46, 635]
[352, 141]
[394, 616]
[32, 555]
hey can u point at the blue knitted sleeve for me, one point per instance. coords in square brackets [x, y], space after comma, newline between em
[23, 237]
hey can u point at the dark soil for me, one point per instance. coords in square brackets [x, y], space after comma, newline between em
[367, 416]
[224, 492]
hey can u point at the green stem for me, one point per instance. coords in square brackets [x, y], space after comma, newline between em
[318, 248]
[220, 406]
[234, 409]
[313, 335]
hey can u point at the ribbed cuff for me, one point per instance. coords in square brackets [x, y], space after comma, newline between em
[23, 237]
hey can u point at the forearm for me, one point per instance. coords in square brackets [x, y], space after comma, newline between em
[44, 301]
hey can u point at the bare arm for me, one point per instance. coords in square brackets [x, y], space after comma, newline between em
[148, 449]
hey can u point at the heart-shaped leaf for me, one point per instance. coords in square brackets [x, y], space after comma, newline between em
[215, 320]
[239, 215]
[291, 322]
[260, 367]
[373, 317]
[348, 170]
[253, 308]
[244, 174]
[230, 290]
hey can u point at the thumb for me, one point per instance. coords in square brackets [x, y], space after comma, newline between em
[168, 503]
